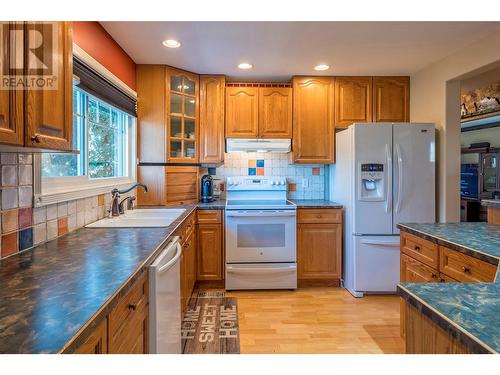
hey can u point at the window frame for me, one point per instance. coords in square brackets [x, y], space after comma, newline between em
[49, 190]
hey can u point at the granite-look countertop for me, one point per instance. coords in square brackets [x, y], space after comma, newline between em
[219, 204]
[495, 203]
[50, 293]
[480, 240]
[315, 203]
[470, 311]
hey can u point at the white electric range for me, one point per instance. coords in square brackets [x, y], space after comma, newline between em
[260, 234]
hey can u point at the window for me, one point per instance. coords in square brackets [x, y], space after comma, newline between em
[105, 137]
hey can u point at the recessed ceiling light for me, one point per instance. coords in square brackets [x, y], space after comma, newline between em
[171, 43]
[322, 67]
[245, 66]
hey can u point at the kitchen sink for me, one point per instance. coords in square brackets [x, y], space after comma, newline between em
[141, 218]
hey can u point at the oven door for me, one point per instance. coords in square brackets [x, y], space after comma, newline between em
[260, 236]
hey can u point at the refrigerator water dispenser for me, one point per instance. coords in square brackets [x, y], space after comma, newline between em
[372, 182]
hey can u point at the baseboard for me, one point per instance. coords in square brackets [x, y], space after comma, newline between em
[304, 283]
[209, 284]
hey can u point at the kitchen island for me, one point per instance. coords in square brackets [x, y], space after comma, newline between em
[449, 287]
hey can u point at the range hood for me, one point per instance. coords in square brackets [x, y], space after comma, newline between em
[258, 145]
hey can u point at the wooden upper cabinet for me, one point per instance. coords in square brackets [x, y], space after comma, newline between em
[391, 99]
[275, 112]
[353, 100]
[313, 120]
[182, 106]
[242, 112]
[11, 100]
[212, 119]
[49, 112]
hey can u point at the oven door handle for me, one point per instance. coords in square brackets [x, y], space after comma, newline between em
[230, 269]
[258, 213]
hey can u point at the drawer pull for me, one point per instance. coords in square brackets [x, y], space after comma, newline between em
[417, 248]
[433, 275]
[35, 139]
[132, 306]
[465, 269]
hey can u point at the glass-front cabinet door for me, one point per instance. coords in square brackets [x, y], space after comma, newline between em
[489, 174]
[182, 116]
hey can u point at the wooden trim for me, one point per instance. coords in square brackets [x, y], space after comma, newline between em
[258, 84]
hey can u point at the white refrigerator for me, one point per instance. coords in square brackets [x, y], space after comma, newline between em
[384, 174]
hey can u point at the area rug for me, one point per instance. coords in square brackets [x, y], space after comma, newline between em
[210, 325]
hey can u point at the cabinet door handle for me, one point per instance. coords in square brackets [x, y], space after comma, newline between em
[35, 139]
[132, 306]
[417, 248]
[465, 269]
[433, 275]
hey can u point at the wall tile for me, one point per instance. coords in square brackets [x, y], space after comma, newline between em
[80, 219]
[25, 158]
[25, 196]
[100, 200]
[25, 239]
[25, 175]
[40, 233]
[39, 215]
[51, 212]
[51, 229]
[62, 226]
[72, 223]
[9, 175]
[25, 217]
[9, 221]
[9, 244]
[62, 209]
[72, 207]
[8, 158]
[9, 198]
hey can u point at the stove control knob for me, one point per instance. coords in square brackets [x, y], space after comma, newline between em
[274, 183]
[282, 182]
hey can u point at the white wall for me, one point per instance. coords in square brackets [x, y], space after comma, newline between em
[435, 97]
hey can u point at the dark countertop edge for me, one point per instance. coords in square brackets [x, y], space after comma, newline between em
[321, 203]
[495, 203]
[100, 314]
[445, 323]
[452, 245]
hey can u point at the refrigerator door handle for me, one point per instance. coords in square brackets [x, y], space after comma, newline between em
[400, 177]
[388, 202]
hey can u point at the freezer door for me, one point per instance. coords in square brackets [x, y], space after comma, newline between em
[376, 264]
[372, 202]
[414, 166]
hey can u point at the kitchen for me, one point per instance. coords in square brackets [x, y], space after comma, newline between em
[160, 202]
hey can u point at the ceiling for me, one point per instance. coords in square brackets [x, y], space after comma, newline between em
[279, 50]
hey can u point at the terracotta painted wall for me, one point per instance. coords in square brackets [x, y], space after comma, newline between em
[93, 39]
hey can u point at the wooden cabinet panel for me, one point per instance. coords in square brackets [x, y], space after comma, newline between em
[151, 113]
[413, 271]
[181, 185]
[188, 269]
[212, 101]
[353, 100]
[209, 216]
[210, 252]
[319, 215]
[420, 249]
[49, 113]
[465, 268]
[313, 120]
[319, 251]
[96, 342]
[391, 99]
[128, 321]
[242, 112]
[11, 101]
[275, 112]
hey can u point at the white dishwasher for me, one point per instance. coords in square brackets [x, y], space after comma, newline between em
[165, 301]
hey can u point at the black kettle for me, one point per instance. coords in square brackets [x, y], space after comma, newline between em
[207, 189]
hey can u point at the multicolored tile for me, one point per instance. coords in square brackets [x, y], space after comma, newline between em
[62, 226]
[9, 244]
[260, 171]
[10, 221]
[260, 163]
[252, 171]
[25, 217]
[252, 163]
[25, 239]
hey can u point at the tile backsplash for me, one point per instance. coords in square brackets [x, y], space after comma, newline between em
[304, 181]
[21, 225]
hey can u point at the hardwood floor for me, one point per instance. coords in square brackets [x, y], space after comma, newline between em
[317, 320]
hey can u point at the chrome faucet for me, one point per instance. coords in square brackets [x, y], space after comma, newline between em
[116, 206]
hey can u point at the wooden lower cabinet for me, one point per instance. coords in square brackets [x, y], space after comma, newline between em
[413, 271]
[319, 247]
[188, 263]
[423, 336]
[125, 329]
[210, 252]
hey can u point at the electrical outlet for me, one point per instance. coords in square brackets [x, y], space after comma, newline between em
[305, 182]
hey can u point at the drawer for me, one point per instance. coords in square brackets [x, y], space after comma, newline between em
[133, 302]
[420, 249]
[188, 227]
[209, 216]
[413, 271]
[319, 215]
[465, 268]
[446, 279]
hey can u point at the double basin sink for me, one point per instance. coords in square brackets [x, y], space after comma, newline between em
[141, 218]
